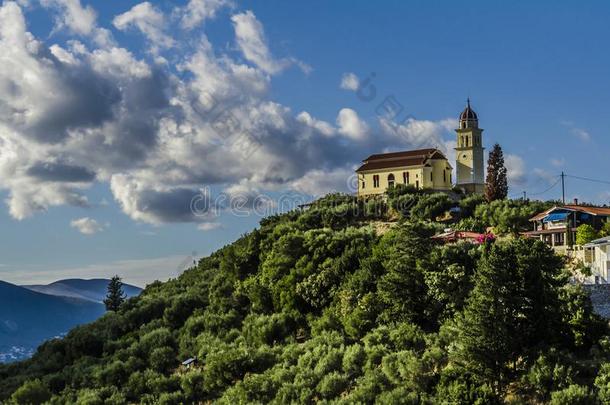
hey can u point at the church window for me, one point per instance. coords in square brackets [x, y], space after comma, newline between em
[431, 177]
[444, 176]
[405, 177]
[376, 180]
[390, 180]
[416, 183]
[363, 184]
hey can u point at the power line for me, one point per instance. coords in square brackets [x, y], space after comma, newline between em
[548, 189]
[588, 179]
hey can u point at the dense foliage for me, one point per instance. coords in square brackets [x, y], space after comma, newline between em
[315, 305]
[585, 233]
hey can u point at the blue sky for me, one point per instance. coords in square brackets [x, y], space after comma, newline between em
[106, 133]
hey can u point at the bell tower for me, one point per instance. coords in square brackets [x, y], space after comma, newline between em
[469, 153]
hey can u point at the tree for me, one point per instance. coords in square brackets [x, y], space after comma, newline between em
[585, 233]
[605, 231]
[31, 392]
[509, 215]
[432, 206]
[497, 183]
[115, 296]
[514, 307]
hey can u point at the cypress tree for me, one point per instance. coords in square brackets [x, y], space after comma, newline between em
[496, 183]
[513, 309]
[115, 296]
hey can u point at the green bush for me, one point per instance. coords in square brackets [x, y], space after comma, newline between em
[31, 393]
[332, 385]
[585, 233]
[573, 395]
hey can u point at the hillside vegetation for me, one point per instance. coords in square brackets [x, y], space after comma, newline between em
[314, 306]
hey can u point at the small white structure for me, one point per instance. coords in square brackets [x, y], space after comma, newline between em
[189, 363]
[597, 257]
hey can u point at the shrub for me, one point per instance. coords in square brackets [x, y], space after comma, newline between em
[31, 393]
[585, 233]
[573, 395]
[332, 385]
[431, 206]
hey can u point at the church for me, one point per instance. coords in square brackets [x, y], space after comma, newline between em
[429, 168]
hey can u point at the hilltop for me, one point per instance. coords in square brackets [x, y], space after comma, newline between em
[315, 305]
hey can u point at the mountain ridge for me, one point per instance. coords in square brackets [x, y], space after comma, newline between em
[93, 289]
[27, 317]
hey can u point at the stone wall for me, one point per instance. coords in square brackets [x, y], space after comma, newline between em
[600, 297]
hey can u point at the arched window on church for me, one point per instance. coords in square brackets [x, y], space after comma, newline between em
[390, 180]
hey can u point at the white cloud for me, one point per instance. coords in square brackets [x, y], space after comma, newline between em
[350, 81]
[579, 133]
[72, 16]
[209, 226]
[322, 126]
[75, 17]
[147, 19]
[250, 38]
[320, 182]
[81, 113]
[119, 62]
[87, 226]
[516, 172]
[418, 134]
[197, 11]
[351, 125]
[558, 162]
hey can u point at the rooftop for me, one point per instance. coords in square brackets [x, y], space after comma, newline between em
[601, 211]
[407, 158]
[599, 242]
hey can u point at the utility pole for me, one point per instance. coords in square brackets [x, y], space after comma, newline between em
[563, 187]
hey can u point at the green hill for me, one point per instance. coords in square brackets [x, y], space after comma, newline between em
[314, 305]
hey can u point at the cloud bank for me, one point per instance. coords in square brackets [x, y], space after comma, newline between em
[88, 110]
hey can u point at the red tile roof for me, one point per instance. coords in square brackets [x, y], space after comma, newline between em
[400, 159]
[451, 236]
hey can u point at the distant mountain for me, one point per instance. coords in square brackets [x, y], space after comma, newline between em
[90, 290]
[27, 318]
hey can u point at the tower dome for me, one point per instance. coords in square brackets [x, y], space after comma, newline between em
[469, 118]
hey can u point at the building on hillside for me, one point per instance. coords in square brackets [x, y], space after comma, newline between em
[451, 236]
[189, 363]
[424, 168]
[429, 168]
[552, 226]
[597, 258]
